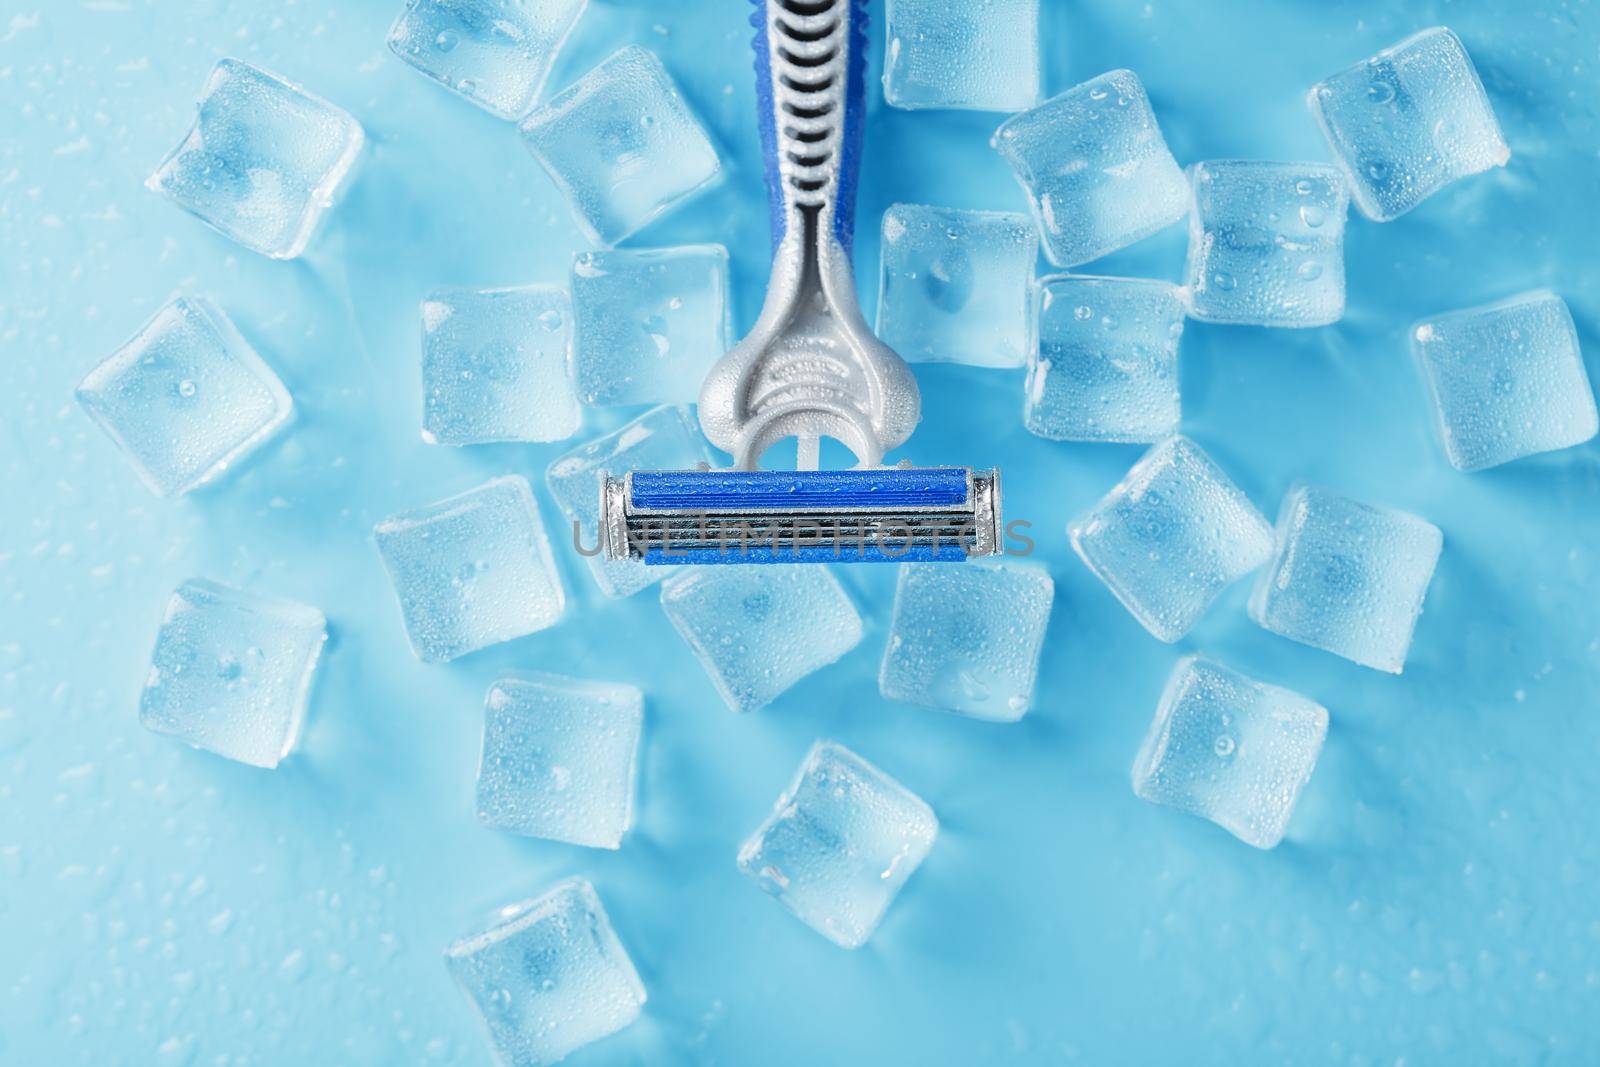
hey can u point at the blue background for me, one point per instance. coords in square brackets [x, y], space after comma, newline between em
[1438, 899]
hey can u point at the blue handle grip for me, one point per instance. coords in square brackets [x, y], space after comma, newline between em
[777, 23]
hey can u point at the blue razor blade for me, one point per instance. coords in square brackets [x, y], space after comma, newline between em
[887, 515]
[830, 489]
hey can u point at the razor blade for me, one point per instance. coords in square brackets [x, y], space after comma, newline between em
[882, 515]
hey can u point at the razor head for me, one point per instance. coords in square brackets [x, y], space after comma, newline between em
[875, 515]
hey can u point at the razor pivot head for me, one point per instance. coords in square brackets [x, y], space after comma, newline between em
[888, 514]
[811, 367]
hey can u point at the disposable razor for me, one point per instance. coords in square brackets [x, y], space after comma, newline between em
[811, 367]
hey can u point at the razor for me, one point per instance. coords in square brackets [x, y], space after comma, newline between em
[811, 367]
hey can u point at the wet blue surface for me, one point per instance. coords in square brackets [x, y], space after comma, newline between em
[1437, 898]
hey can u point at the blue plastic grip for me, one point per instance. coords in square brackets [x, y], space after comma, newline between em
[796, 492]
[850, 135]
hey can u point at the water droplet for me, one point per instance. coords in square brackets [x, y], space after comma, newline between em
[1312, 215]
[1310, 270]
[1377, 170]
[1303, 186]
[551, 320]
[446, 40]
[187, 388]
[1223, 281]
[1223, 746]
[1083, 312]
[1380, 92]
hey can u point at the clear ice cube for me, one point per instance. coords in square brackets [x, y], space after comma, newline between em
[1095, 167]
[186, 397]
[495, 366]
[496, 53]
[1106, 364]
[956, 286]
[1347, 577]
[1230, 749]
[264, 160]
[1408, 122]
[548, 976]
[1507, 380]
[648, 323]
[622, 145]
[664, 438]
[472, 570]
[967, 638]
[840, 844]
[232, 672]
[1171, 536]
[982, 56]
[757, 628]
[1266, 243]
[559, 758]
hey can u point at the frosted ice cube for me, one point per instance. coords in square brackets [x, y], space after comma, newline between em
[1266, 243]
[1106, 364]
[1230, 749]
[1347, 577]
[980, 56]
[263, 160]
[232, 672]
[840, 844]
[1095, 167]
[494, 366]
[1171, 536]
[664, 438]
[472, 570]
[1408, 122]
[956, 286]
[622, 144]
[967, 638]
[548, 977]
[648, 323]
[496, 53]
[758, 629]
[1507, 380]
[559, 757]
[186, 397]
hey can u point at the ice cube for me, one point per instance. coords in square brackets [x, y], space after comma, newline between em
[980, 57]
[622, 145]
[496, 53]
[494, 366]
[664, 438]
[956, 286]
[1408, 122]
[648, 323]
[232, 672]
[968, 638]
[472, 570]
[840, 844]
[1106, 364]
[548, 977]
[186, 397]
[1507, 380]
[1266, 243]
[1230, 749]
[1095, 167]
[263, 160]
[559, 757]
[1347, 577]
[758, 629]
[1171, 536]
